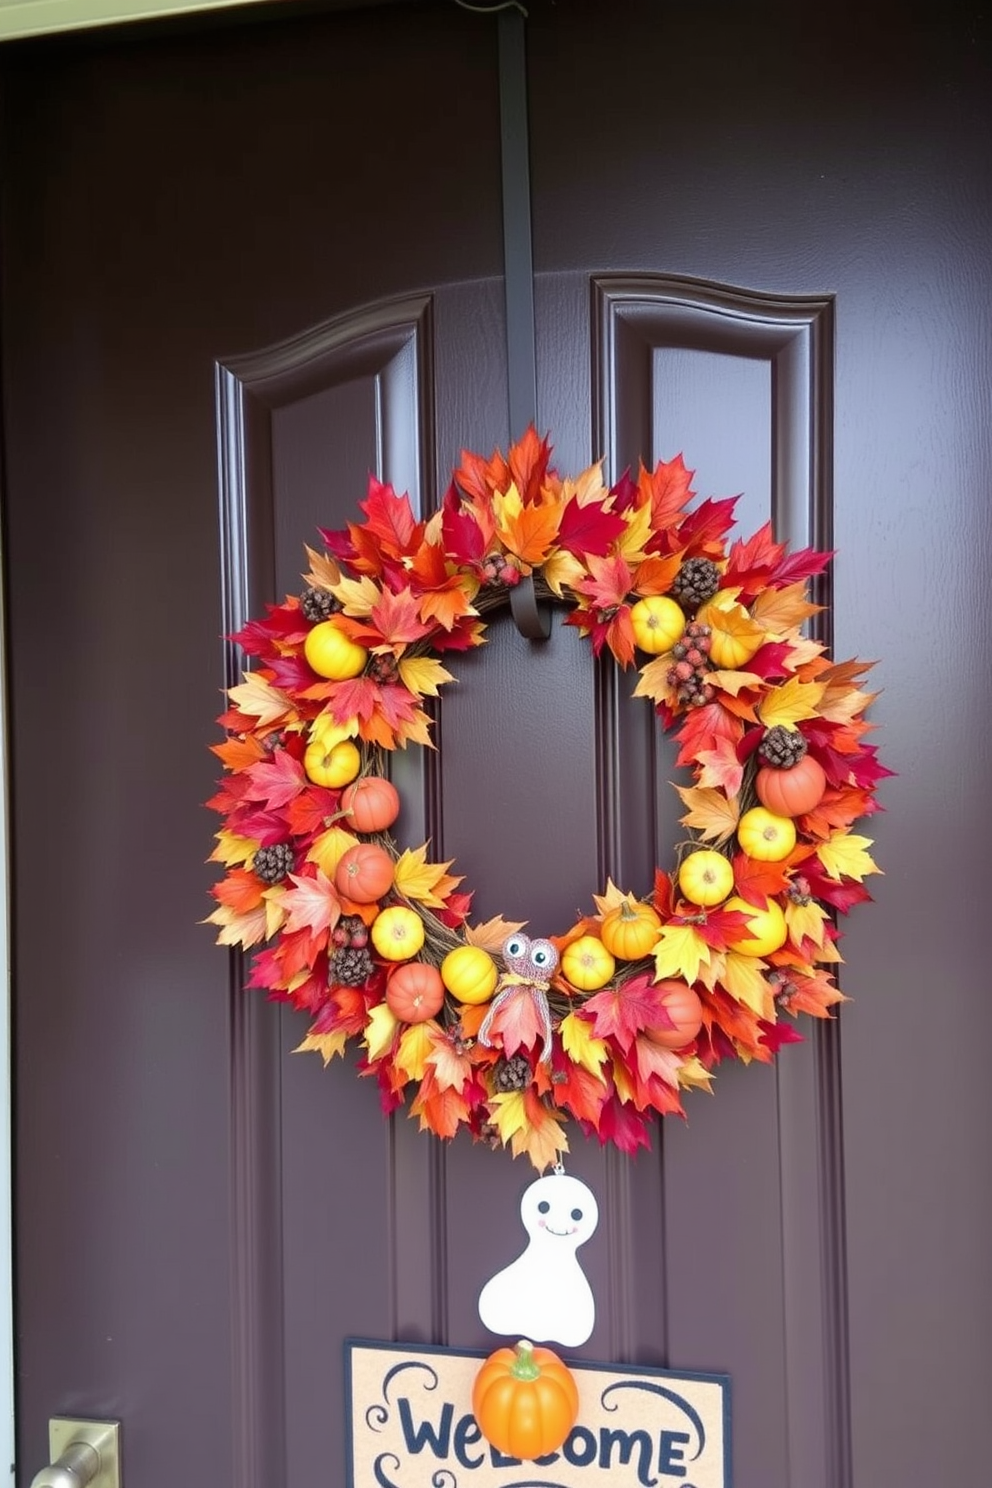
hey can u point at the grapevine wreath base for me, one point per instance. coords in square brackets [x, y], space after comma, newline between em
[611, 1020]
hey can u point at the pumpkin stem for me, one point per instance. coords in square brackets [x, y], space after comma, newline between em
[525, 1366]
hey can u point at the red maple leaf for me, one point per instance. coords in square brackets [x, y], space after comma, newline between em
[277, 779]
[669, 488]
[621, 1124]
[588, 529]
[620, 1012]
[391, 520]
[464, 540]
[751, 561]
[703, 530]
[758, 882]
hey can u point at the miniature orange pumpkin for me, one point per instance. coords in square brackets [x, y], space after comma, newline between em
[364, 873]
[684, 1008]
[525, 1400]
[630, 929]
[793, 791]
[415, 992]
[372, 804]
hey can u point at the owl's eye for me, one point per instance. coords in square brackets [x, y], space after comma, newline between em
[543, 955]
[516, 946]
[543, 1207]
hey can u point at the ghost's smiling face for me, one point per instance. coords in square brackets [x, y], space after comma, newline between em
[560, 1207]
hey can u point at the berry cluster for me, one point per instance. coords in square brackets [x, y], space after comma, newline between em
[497, 568]
[350, 932]
[384, 669]
[688, 672]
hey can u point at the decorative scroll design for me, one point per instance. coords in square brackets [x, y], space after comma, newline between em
[633, 318]
[390, 342]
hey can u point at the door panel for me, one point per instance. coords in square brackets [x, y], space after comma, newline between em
[311, 205]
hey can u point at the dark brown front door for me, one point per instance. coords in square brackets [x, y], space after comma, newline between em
[759, 239]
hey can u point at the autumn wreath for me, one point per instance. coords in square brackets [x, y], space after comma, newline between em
[611, 1020]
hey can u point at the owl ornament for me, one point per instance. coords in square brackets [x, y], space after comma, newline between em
[530, 966]
[544, 1293]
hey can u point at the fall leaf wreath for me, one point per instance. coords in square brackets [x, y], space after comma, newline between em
[611, 1021]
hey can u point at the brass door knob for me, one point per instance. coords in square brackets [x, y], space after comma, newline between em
[85, 1454]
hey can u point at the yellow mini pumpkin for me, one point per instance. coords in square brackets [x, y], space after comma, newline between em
[397, 933]
[765, 836]
[706, 877]
[734, 636]
[470, 974]
[587, 964]
[333, 654]
[658, 623]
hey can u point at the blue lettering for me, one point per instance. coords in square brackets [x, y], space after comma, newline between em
[499, 1460]
[467, 1433]
[671, 1455]
[625, 1442]
[580, 1447]
[425, 1434]
[546, 1461]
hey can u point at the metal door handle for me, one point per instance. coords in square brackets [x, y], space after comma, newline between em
[85, 1454]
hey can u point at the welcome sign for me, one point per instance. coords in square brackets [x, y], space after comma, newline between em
[410, 1424]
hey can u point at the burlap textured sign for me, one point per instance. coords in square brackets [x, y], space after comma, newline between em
[411, 1426]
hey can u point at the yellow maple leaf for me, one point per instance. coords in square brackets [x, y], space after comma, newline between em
[358, 597]
[327, 731]
[413, 1052]
[779, 609]
[380, 1030]
[844, 855]
[632, 541]
[693, 1075]
[612, 898]
[423, 675]
[711, 813]
[787, 704]
[539, 1136]
[623, 1082]
[329, 848]
[327, 1045]
[324, 572]
[744, 979]
[845, 705]
[581, 1046]
[562, 571]
[652, 681]
[236, 929]
[259, 699]
[416, 730]
[509, 1114]
[232, 849]
[680, 952]
[415, 878]
[275, 913]
[805, 922]
[491, 934]
[732, 681]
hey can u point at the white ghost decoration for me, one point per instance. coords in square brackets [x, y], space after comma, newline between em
[544, 1294]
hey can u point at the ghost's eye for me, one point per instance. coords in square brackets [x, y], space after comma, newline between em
[516, 946]
[576, 1215]
[543, 1207]
[543, 955]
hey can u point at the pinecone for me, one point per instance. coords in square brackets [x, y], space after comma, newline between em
[512, 1074]
[696, 581]
[350, 968]
[273, 863]
[782, 748]
[317, 605]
